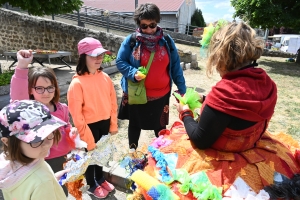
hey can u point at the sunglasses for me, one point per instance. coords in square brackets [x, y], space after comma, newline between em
[145, 26]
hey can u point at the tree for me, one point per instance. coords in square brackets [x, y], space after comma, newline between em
[45, 7]
[197, 19]
[268, 13]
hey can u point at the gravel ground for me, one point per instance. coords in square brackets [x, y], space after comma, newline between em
[192, 79]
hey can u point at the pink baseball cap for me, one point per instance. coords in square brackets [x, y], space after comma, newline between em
[91, 47]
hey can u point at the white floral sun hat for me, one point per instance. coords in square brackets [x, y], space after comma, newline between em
[28, 120]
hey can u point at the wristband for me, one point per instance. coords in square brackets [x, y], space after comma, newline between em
[184, 113]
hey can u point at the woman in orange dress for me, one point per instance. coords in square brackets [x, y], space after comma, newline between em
[231, 141]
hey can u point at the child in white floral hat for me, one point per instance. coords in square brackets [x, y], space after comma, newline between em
[28, 130]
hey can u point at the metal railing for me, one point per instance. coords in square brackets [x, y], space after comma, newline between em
[111, 20]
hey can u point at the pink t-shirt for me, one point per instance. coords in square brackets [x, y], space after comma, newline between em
[19, 91]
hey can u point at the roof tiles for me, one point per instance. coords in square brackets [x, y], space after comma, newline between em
[129, 5]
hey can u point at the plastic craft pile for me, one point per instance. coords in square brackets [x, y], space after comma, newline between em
[173, 172]
[107, 149]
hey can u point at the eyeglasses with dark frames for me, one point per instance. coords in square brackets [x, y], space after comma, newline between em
[41, 90]
[37, 144]
[145, 26]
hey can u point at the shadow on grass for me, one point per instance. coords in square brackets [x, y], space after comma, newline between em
[283, 68]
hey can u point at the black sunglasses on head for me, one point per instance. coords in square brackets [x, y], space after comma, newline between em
[145, 26]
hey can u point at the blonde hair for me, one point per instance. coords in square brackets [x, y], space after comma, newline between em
[232, 47]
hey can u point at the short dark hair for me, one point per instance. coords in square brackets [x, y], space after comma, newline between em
[13, 149]
[147, 11]
[46, 72]
[81, 67]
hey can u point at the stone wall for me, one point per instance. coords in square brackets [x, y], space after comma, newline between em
[21, 31]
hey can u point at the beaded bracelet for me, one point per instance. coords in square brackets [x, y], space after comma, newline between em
[184, 113]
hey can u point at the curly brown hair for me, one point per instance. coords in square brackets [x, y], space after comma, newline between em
[232, 47]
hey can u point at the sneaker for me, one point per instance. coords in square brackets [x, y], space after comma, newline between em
[99, 192]
[107, 186]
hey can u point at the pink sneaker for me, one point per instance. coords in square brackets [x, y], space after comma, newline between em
[107, 186]
[100, 192]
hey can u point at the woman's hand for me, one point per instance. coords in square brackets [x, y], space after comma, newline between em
[24, 58]
[201, 98]
[181, 107]
[138, 77]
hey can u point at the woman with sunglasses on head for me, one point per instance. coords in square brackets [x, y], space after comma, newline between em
[28, 131]
[40, 84]
[164, 69]
[93, 106]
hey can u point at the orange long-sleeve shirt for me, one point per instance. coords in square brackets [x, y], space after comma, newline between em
[92, 98]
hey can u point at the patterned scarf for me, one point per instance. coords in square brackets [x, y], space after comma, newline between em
[149, 42]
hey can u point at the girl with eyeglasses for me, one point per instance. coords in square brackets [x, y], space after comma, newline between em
[40, 84]
[164, 70]
[93, 105]
[28, 131]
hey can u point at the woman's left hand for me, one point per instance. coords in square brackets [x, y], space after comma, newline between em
[180, 107]
[137, 77]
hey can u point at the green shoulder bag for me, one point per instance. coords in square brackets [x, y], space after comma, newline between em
[136, 90]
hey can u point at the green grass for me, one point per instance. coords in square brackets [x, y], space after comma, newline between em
[287, 111]
[5, 77]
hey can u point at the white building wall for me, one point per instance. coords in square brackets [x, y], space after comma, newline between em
[185, 13]
[169, 22]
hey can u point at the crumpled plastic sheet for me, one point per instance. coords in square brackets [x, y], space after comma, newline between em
[105, 151]
[76, 169]
[239, 190]
[171, 159]
[161, 142]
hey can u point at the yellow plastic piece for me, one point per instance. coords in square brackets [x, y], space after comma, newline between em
[141, 75]
[144, 180]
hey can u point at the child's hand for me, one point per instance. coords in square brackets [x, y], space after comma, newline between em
[113, 132]
[74, 131]
[24, 58]
[59, 174]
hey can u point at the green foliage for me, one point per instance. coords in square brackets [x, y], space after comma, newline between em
[5, 77]
[107, 58]
[43, 7]
[268, 13]
[197, 19]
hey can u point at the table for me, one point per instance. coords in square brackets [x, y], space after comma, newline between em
[41, 58]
